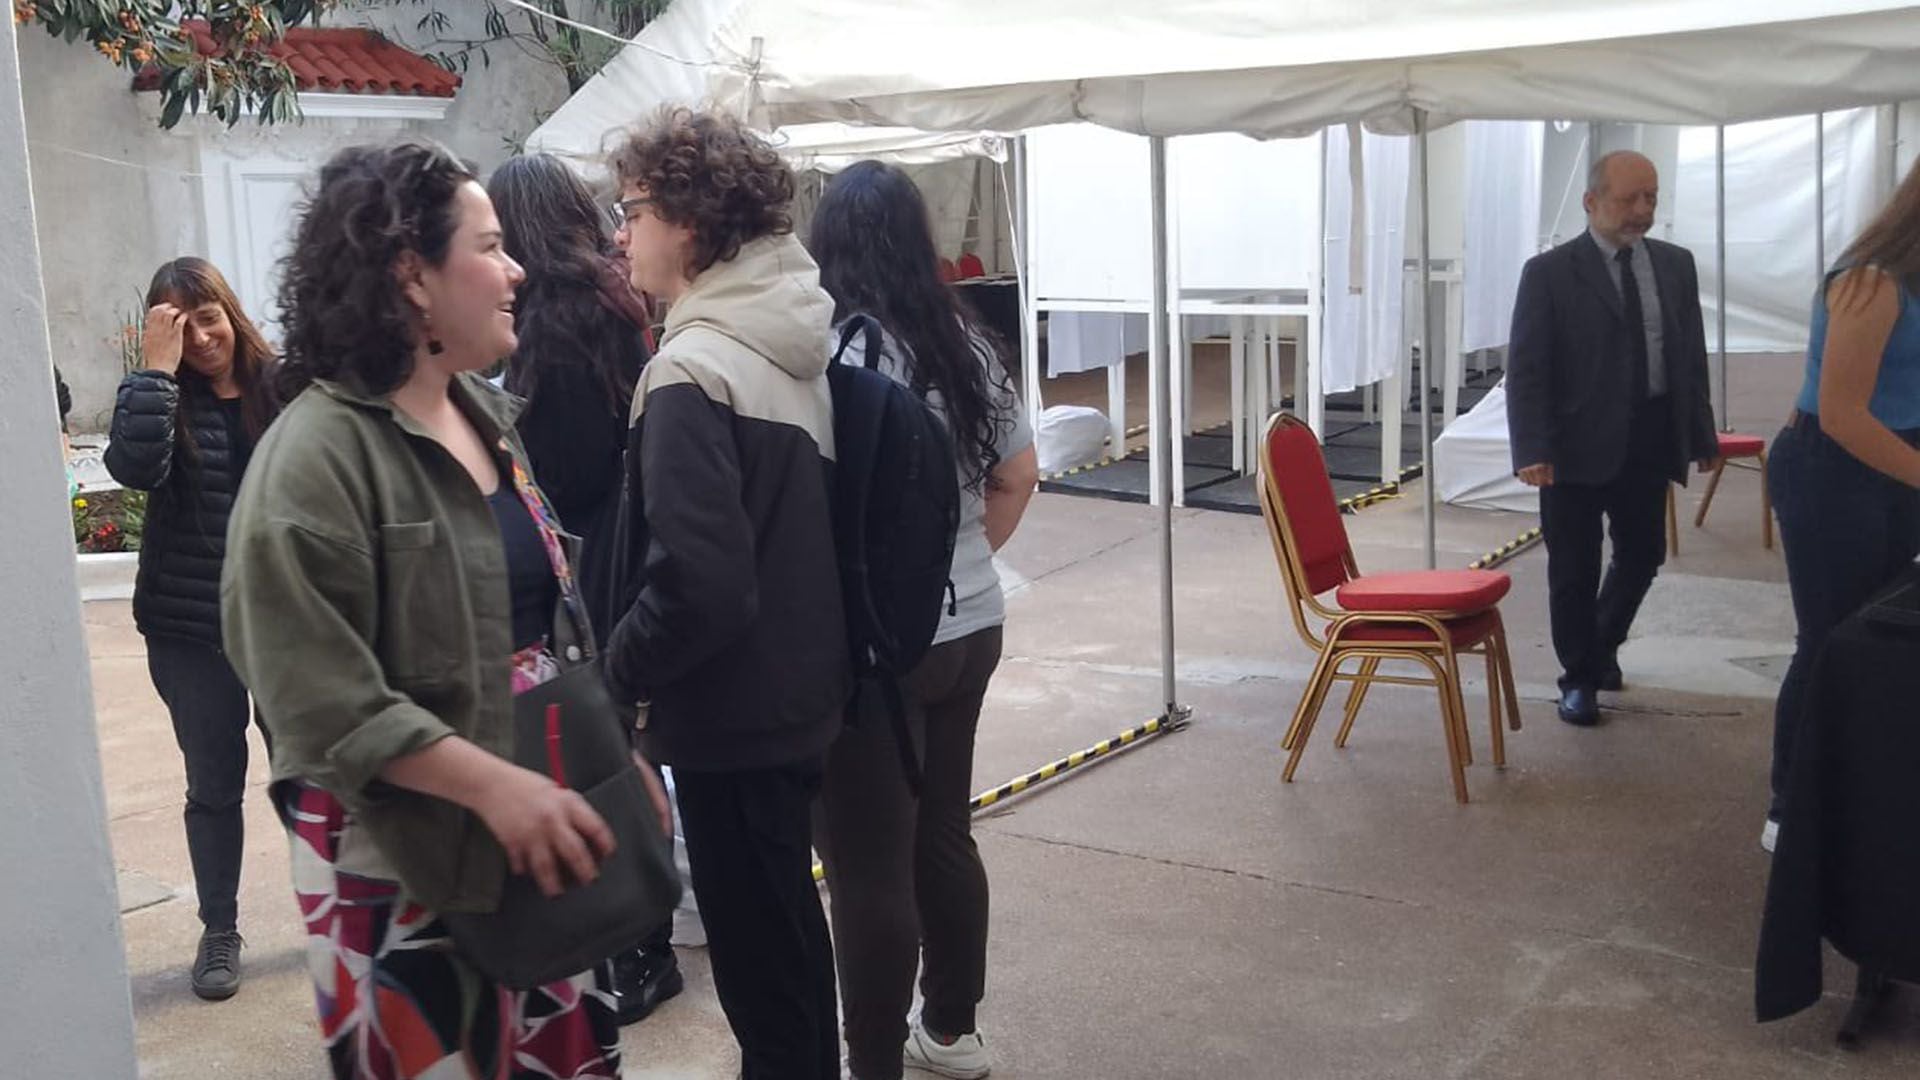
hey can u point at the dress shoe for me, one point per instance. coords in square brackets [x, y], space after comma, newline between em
[1578, 707]
[1611, 680]
[643, 978]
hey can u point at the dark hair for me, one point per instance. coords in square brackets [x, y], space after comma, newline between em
[708, 172]
[343, 314]
[1891, 241]
[189, 283]
[874, 244]
[568, 309]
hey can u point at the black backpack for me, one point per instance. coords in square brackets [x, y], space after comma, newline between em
[896, 508]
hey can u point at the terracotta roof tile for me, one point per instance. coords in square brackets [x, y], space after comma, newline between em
[339, 60]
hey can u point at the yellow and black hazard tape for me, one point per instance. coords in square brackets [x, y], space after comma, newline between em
[1507, 550]
[1357, 503]
[1055, 769]
[1104, 747]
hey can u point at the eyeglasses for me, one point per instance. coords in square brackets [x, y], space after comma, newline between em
[621, 212]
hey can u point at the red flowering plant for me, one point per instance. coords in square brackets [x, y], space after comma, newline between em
[106, 521]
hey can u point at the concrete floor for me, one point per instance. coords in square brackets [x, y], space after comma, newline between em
[1181, 912]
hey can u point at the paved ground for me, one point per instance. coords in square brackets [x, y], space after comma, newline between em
[1180, 912]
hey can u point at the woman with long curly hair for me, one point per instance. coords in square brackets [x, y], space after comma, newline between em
[184, 426]
[395, 579]
[909, 889]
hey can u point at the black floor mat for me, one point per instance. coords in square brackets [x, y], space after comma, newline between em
[1239, 496]
[1128, 480]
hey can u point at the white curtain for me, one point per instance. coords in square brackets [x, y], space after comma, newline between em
[1503, 224]
[1363, 339]
[1084, 340]
[1772, 271]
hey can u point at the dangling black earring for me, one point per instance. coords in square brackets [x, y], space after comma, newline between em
[434, 348]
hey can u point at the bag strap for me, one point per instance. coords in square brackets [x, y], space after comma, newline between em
[572, 635]
[873, 339]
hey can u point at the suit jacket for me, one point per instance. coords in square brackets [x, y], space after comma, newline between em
[1569, 381]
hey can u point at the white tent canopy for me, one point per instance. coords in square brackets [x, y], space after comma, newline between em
[668, 62]
[1269, 69]
[1266, 70]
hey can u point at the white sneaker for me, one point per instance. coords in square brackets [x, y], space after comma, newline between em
[965, 1059]
[1769, 834]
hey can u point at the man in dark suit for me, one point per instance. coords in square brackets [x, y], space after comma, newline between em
[1607, 401]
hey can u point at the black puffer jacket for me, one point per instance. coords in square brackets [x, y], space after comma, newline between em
[177, 592]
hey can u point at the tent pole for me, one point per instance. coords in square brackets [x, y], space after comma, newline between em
[1427, 351]
[1720, 270]
[1820, 194]
[1160, 354]
[1017, 212]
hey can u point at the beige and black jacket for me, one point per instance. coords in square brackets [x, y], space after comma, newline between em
[732, 625]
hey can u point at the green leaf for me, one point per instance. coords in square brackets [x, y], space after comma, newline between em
[176, 106]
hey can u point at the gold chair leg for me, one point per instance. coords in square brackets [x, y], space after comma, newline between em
[1706, 497]
[1361, 684]
[1506, 672]
[1766, 506]
[1493, 705]
[1309, 712]
[1300, 710]
[1451, 721]
[1673, 525]
[1460, 706]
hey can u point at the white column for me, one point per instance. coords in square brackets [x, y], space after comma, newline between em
[1117, 408]
[68, 1010]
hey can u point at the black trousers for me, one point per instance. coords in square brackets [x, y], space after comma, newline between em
[210, 712]
[1591, 615]
[909, 889]
[752, 864]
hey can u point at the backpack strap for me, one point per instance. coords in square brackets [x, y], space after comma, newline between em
[872, 339]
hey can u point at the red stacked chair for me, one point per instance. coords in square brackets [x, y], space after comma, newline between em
[1429, 617]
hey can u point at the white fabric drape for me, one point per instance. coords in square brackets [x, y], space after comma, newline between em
[1363, 339]
[1771, 271]
[1084, 340]
[1503, 224]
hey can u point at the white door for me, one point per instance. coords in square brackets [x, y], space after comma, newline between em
[250, 207]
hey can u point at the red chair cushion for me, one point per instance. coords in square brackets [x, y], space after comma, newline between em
[1299, 474]
[1466, 631]
[1734, 445]
[1452, 591]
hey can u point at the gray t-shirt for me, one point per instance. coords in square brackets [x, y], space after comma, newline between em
[976, 585]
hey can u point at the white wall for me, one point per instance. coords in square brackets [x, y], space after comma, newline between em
[105, 225]
[68, 1011]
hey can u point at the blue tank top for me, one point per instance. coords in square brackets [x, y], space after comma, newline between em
[1896, 393]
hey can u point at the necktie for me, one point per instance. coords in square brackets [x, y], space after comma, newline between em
[1636, 322]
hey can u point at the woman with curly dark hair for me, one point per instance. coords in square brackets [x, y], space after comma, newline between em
[909, 890]
[583, 340]
[394, 583]
[183, 428]
[734, 631]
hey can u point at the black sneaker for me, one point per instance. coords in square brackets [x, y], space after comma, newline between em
[216, 966]
[643, 978]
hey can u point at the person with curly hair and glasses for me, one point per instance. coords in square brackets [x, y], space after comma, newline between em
[734, 631]
[393, 580]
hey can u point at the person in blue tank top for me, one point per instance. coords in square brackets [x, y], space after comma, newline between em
[1845, 469]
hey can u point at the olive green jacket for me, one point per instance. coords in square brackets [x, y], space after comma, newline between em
[366, 607]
